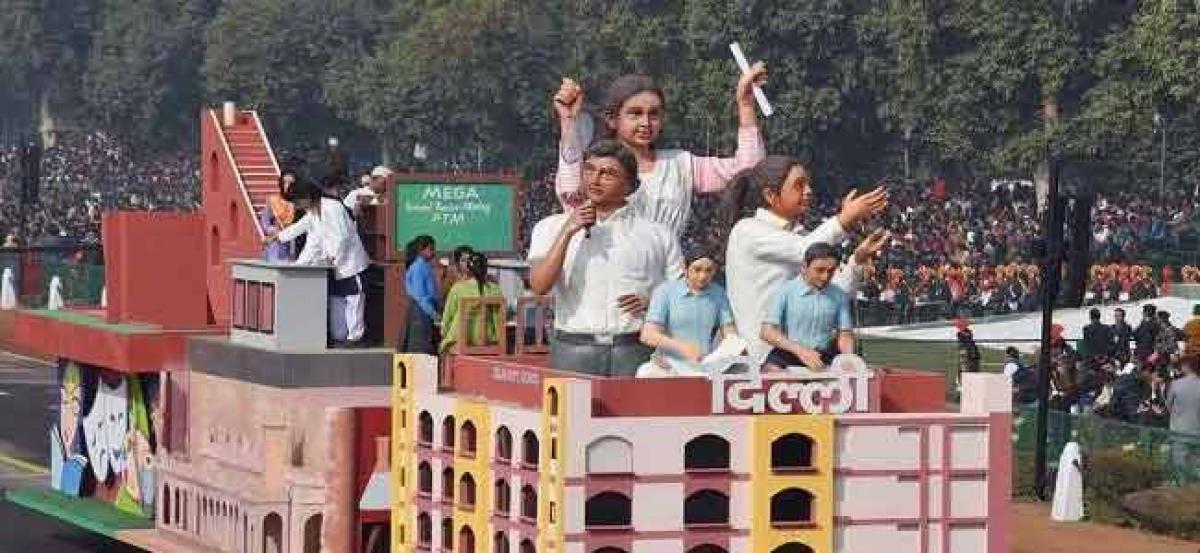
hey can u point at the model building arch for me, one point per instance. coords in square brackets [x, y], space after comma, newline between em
[791, 506]
[792, 547]
[528, 502]
[469, 440]
[447, 533]
[706, 507]
[552, 401]
[706, 452]
[503, 496]
[707, 548]
[610, 455]
[424, 529]
[466, 540]
[504, 444]
[500, 542]
[792, 452]
[425, 428]
[527, 546]
[466, 491]
[425, 478]
[529, 448]
[608, 509]
[448, 428]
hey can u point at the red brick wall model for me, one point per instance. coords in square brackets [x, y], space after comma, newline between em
[230, 225]
[153, 271]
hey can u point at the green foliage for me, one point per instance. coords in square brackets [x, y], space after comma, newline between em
[1110, 475]
[969, 88]
[1174, 511]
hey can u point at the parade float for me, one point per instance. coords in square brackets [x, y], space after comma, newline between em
[201, 410]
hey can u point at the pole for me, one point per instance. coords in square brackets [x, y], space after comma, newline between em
[1052, 233]
[1162, 163]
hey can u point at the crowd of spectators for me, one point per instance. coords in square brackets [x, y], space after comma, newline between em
[84, 174]
[969, 249]
[1122, 371]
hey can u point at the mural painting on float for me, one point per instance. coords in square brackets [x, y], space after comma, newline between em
[104, 441]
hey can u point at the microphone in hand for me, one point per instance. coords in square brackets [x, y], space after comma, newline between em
[587, 213]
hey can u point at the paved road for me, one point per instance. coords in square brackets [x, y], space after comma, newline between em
[27, 397]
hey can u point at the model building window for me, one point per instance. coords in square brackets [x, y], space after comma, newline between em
[707, 548]
[166, 503]
[448, 484]
[448, 428]
[792, 548]
[447, 534]
[608, 509]
[792, 506]
[425, 431]
[424, 530]
[504, 444]
[424, 478]
[527, 547]
[468, 438]
[529, 449]
[792, 452]
[610, 455]
[503, 496]
[253, 295]
[528, 503]
[466, 491]
[552, 401]
[707, 452]
[239, 303]
[466, 540]
[706, 507]
[500, 542]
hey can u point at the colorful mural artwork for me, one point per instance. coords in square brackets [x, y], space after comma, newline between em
[103, 443]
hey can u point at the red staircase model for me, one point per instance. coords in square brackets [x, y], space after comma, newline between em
[239, 172]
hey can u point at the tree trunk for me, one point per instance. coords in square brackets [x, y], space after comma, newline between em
[47, 125]
[1041, 174]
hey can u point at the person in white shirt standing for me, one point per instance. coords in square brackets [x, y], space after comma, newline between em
[764, 249]
[373, 193]
[333, 240]
[601, 261]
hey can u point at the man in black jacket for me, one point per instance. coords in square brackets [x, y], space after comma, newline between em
[1146, 333]
[1122, 333]
[1097, 337]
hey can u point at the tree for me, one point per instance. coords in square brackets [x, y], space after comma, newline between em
[143, 76]
[43, 51]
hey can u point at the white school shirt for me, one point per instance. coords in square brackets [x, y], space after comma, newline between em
[763, 252]
[352, 198]
[665, 193]
[624, 254]
[332, 235]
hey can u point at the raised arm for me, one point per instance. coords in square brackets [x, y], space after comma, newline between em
[711, 174]
[568, 103]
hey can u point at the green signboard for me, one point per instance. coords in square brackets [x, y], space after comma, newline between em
[481, 214]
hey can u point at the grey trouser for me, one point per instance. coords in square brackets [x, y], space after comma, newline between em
[574, 353]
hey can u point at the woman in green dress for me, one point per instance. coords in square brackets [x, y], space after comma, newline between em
[477, 285]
